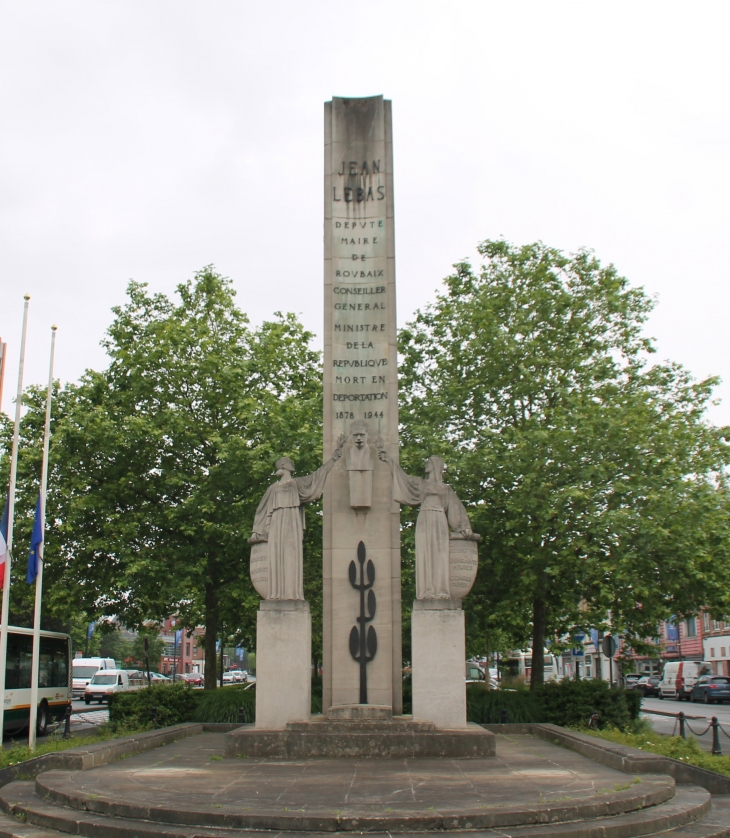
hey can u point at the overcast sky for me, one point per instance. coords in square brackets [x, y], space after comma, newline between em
[147, 138]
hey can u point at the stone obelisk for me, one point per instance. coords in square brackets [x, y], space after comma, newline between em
[361, 631]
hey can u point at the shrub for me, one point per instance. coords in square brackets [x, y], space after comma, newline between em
[572, 703]
[566, 703]
[159, 705]
[486, 706]
[222, 705]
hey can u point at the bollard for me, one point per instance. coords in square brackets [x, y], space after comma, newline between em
[716, 749]
[154, 717]
[67, 725]
[504, 717]
[241, 716]
[681, 718]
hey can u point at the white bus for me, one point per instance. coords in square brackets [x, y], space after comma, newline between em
[54, 683]
[518, 664]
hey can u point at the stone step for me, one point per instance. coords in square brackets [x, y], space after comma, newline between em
[63, 789]
[12, 827]
[690, 804]
[362, 740]
[395, 725]
[716, 824]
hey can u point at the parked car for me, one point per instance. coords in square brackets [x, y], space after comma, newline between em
[631, 680]
[680, 677]
[195, 679]
[648, 685]
[157, 678]
[475, 674]
[107, 682]
[712, 689]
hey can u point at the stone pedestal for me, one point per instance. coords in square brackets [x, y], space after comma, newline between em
[283, 663]
[438, 650]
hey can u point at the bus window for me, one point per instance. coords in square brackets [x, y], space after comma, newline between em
[19, 660]
[53, 667]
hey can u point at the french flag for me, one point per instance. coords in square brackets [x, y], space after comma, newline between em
[3, 544]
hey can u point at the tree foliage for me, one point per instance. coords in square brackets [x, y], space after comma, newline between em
[158, 462]
[594, 476]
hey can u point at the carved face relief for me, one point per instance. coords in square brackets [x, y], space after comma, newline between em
[360, 438]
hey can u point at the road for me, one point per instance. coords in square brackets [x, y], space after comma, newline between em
[664, 724]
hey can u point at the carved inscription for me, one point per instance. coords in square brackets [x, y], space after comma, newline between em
[360, 324]
[463, 562]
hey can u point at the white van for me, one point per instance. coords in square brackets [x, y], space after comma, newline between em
[519, 665]
[106, 682]
[679, 677]
[84, 669]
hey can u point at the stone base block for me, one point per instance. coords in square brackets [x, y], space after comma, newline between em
[438, 652]
[352, 712]
[397, 739]
[283, 663]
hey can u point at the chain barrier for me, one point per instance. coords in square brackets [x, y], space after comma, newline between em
[694, 732]
[684, 726]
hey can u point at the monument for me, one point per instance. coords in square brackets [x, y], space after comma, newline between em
[360, 400]
[362, 485]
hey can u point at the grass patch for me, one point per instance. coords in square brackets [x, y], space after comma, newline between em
[22, 753]
[642, 737]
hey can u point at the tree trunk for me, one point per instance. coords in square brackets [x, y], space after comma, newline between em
[539, 619]
[211, 634]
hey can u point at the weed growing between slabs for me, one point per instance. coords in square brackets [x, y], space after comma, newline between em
[641, 735]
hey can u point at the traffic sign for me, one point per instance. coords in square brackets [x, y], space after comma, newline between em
[609, 646]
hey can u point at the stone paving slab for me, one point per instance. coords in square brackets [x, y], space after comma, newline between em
[190, 781]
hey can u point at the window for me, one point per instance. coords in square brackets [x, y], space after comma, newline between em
[691, 626]
[722, 651]
[103, 680]
[187, 650]
[18, 666]
[706, 621]
[53, 664]
[588, 666]
[712, 651]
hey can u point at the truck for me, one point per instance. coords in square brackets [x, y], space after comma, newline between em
[679, 677]
[84, 669]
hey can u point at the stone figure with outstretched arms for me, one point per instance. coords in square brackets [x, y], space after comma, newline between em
[278, 529]
[440, 511]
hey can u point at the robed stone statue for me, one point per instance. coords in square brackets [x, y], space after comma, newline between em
[278, 529]
[440, 511]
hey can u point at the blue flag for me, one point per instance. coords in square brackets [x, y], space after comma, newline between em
[90, 629]
[36, 540]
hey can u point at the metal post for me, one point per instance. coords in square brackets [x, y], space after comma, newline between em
[67, 725]
[681, 718]
[174, 657]
[11, 516]
[35, 660]
[716, 749]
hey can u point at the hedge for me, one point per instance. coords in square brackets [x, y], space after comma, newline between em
[566, 703]
[162, 705]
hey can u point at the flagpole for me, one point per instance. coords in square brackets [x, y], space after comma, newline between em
[35, 671]
[11, 510]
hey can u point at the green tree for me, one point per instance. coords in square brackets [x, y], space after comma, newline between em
[155, 644]
[594, 476]
[159, 461]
